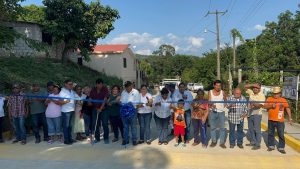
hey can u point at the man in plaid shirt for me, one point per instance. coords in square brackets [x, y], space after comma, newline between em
[236, 114]
[17, 114]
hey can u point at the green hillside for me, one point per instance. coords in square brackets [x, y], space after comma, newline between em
[26, 70]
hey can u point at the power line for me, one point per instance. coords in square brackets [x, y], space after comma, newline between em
[247, 12]
[256, 6]
[228, 15]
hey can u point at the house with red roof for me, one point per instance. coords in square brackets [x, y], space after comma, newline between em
[116, 60]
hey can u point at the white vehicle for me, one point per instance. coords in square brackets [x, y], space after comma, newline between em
[190, 86]
[161, 85]
[197, 86]
[172, 81]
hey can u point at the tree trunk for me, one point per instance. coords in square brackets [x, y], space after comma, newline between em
[234, 56]
[64, 54]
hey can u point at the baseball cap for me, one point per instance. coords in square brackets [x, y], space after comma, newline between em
[50, 83]
[35, 83]
[16, 86]
[127, 83]
[172, 85]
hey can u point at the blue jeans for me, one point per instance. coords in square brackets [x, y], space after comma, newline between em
[144, 120]
[87, 124]
[103, 116]
[162, 127]
[240, 133]
[188, 120]
[254, 121]
[197, 125]
[36, 118]
[214, 119]
[54, 124]
[132, 123]
[271, 134]
[19, 127]
[67, 118]
[116, 122]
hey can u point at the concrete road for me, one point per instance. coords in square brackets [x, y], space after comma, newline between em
[114, 155]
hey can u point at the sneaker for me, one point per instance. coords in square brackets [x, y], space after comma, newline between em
[60, 141]
[141, 142]
[255, 148]
[67, 143]
[213, 145]
[73, 141]
[231, 146]
[16, 140]
[240, 146]
[23, 142]
[270, 149]
[134, 143]
[96, 141]
[223, 146]
[282, 151]
[251, 144]
[106, 141]
[176, 144]
[183, 144]
[124, 143]
[50, 142]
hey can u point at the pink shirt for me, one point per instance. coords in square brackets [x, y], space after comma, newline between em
[53, 110]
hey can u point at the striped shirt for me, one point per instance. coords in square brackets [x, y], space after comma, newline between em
[17, 104]
[235, 113]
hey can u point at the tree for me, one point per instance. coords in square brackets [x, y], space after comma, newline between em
[77, 24]
[235, 33]
[33, 13]
[10, 10]
[165, 50]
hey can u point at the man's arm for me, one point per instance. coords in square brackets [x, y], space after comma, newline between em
[247, 86]
[288, 110]
[9, 113]
[27, 111]
[225, 98]
[102, 105]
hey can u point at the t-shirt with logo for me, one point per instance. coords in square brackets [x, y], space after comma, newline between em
[277, 114]
[179, 117]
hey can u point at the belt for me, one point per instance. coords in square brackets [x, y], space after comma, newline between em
[188, 109]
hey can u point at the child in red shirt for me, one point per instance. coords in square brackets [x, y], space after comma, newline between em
[179, 123]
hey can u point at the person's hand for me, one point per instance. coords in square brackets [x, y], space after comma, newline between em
[10, 118]
[109, 104]
[203, 120]
[158, 104]
[129, 102]
[184, 126]
[274, 106]
[89, 103]
[76, 101]
[184, 96]
[251, 106]
[99, 111]
[244, 115]
[232, 105]
[291, 122]
[30, 101]
[27, 114]
[213, 105]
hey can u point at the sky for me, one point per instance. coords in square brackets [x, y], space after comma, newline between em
[147, 24]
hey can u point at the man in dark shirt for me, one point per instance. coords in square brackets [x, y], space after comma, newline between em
[100, 92]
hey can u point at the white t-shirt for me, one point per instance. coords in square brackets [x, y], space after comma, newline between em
[145, 109]
[164, 110]
[133, 96]
[78, 107]
[68, 107]
[53, 110]
[2, 99]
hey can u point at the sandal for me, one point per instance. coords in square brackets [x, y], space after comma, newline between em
[114, 140]
[148, 143]
[2, 141]
[159, 143]
[194, 144]
[23, 142]
[203, 146]
[166, 143]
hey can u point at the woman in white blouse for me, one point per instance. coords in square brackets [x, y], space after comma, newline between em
[162, 115]
[145, 114]
[78, 120]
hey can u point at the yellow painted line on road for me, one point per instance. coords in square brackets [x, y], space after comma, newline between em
[293, 143]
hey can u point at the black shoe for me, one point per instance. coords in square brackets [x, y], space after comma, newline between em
[250, 144]
[67, 143]
[124, 143]
[240, 146]
[73, 141]
[255, 147]
[140, 142]
[231, 146]
[134, 143]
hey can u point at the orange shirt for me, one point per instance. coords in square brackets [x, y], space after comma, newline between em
[179, 117]
[277, 114]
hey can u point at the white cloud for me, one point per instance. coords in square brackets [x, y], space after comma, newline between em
[257, 27]
[237, 42]
[172, 36]
[144, 52]
[197, 42]
[156, 41]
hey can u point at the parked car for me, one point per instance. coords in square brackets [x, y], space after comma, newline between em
[190, 86]
[197, 86]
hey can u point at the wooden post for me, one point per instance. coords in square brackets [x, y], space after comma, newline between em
[230, 82]
[240, 75]
[281, 75]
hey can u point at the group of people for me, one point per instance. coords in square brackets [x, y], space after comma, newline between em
[59, 115]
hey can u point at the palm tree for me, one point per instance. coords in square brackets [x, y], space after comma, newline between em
[235, 33]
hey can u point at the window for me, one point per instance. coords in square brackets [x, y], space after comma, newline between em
[124, 63]
[137, 73]
[46, 38]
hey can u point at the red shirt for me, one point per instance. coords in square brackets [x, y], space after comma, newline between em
[98, 96]
[17, 104]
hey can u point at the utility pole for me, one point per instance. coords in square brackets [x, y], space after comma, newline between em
[218, 40]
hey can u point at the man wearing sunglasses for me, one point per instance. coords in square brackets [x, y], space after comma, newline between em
[255, 114]
[276, 119]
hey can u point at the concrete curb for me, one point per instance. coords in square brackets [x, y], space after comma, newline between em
[6, 134]
[293, 143]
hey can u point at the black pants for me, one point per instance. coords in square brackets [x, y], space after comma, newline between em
[116, 122]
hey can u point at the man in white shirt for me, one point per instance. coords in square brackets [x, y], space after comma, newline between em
[130, 95]
[67, 109]
[186, 96]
